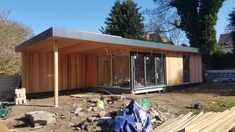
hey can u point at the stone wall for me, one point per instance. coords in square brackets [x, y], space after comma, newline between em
[220, 76]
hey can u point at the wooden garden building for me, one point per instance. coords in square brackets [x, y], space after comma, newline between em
[63, 59]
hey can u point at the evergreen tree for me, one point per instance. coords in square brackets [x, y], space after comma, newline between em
[198, 18]
[124, 20]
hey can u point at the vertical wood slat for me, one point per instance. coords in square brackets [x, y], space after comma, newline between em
[91, 65]
[174, 69]
[73, 71]
[36, 72]
[195, 67]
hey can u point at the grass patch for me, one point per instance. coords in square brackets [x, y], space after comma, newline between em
[220, 104]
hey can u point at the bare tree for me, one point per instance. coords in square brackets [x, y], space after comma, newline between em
[12, 33]
[165, 20]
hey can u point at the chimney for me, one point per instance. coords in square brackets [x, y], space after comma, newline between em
[146, 37]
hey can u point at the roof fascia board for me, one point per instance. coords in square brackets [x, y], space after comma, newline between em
[75, 34]
[34, 40]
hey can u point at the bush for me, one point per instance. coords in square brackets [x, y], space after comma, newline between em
[221, 60]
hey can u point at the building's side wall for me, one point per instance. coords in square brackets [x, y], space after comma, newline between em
[75, 71]
[37, 71]
[91, 70]
[71, 71]
[174, 69]
[195, 68]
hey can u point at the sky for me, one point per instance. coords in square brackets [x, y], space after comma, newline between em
[84, 15]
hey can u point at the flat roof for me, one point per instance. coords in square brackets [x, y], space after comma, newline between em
[95, 37]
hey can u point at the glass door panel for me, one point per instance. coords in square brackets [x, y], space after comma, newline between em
[104, 71]
[138, 70]
[150, 69]
[160, 69]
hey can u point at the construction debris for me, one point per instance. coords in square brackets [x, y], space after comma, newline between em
[102, 113]
[133, 118]
[196, 105]
[40, 117]
[205, 122]
[100, 104]
[77, 110]
[4, 111]
[20, 96]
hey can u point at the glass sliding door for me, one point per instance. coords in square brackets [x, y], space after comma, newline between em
[150, 70]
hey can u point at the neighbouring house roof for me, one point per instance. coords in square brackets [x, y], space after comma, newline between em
[102, 38]
[225, 40]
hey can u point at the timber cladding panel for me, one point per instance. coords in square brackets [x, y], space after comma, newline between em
[75, 71]
[174, 69]
[37, 71]
[71, 71]
[91, 70]
[195, 68]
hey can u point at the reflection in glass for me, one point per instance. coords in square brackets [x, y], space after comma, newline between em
[104, 71]
[150, 70]
[121, 71]
[139, 70]
[160, 70]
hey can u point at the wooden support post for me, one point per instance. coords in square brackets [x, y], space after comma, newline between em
[56, 74]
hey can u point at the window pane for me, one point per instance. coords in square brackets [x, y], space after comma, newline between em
[150, 70]
[139, 70]
[121, 76]
[186, 68]
[160, 70]
[104, 71]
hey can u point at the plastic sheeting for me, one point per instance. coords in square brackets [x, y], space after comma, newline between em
[131, 115]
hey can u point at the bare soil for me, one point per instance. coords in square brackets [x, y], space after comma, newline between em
[213, 97]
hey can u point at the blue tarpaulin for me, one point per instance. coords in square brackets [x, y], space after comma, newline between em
[133, 113]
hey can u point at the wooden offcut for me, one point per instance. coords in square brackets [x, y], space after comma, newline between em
[203, 122]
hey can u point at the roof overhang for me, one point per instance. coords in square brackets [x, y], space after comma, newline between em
[100, 38]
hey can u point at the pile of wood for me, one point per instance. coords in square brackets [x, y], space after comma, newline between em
[203, 122]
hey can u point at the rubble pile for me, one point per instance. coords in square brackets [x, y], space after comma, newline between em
[38, 118]
[105, 120]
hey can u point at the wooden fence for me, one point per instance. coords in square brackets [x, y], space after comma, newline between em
[8, 83]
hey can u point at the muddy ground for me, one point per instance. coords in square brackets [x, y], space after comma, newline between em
[217, 97]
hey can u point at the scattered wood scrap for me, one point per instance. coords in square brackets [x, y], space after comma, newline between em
[203, 122]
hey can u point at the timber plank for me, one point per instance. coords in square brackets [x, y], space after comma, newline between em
[178, 122]
[191, 127]
[224, 119]
[207, 122]
[158, 129]
[194, 119]
[227, 127]
[182, 123]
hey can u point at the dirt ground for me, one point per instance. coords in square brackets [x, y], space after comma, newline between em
[213, 97]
